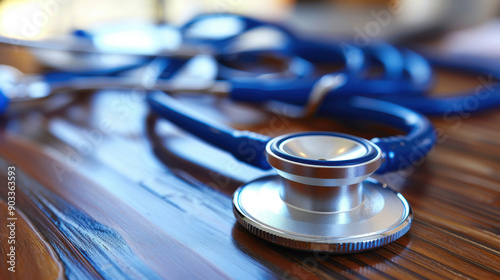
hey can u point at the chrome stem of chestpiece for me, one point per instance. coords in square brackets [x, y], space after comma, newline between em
[323, 199]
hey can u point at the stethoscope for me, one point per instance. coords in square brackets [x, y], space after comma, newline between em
[322, 197]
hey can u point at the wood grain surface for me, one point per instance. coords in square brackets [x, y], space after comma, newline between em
[106, 191]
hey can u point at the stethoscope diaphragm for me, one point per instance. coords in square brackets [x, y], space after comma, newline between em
[322, 199]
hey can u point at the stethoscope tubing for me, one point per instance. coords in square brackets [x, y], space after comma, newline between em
[249, 147]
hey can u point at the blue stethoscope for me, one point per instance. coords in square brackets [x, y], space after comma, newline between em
[322, 197]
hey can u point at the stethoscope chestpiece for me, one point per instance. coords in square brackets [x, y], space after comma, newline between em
[323, 198]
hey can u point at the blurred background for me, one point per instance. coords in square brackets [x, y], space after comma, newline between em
[470, 22]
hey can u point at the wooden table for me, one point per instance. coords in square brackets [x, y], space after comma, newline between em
[103, 191]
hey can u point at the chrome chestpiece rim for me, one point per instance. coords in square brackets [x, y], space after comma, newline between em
[323, 198]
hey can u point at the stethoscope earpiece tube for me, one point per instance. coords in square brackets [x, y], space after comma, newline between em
[297, 91]
[283, 90]
[222, 42]
[246, 146]
[388, 56]
[321, 52]
[486, 97]
[399, 151]
[420, 71]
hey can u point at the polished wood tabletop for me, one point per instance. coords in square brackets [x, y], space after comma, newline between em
[106, 190]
